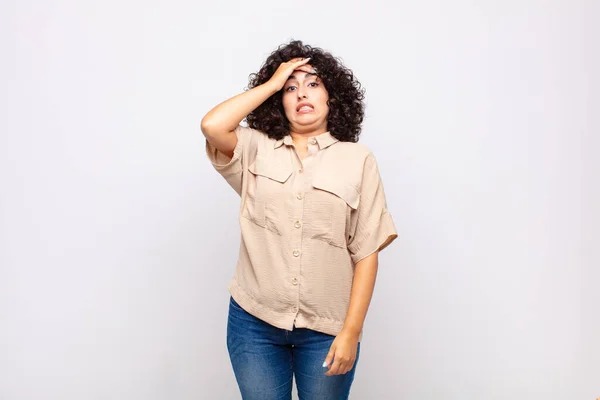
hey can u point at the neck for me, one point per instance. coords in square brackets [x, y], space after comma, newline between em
[305, 134]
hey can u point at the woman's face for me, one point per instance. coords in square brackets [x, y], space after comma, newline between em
[305, 102]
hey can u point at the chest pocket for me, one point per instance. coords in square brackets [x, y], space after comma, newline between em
[267, 188]
[332, 203]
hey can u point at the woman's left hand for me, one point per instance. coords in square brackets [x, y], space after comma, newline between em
[342, 352]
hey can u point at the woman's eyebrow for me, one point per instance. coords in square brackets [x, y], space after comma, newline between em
[305, 76]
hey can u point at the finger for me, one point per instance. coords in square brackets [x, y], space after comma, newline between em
[329, 357]
[348, 368]
[342, 368]
[335, 368]
[294, 62]
[307, 68]
[348, 364]
[302, 61]
[345, 366]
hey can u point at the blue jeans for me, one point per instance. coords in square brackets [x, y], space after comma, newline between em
[264, 358]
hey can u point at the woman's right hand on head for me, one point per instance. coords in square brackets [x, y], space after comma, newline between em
[285, 69]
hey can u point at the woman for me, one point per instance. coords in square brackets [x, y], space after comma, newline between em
[313, 218]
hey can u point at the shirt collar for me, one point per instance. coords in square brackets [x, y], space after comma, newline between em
[324, 140]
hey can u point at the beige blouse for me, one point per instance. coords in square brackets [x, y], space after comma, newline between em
[304, 225]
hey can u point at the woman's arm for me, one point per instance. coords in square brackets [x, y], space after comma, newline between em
[365, 273]
[218, 125]
[344, 348]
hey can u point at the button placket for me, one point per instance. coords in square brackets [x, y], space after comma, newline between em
[312, 150]
[294, 281]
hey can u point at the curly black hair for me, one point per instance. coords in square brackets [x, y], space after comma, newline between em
[346, 105]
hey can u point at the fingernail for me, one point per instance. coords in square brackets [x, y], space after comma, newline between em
[307, 58]
[324, 364]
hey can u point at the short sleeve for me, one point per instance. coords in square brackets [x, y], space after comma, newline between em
[375, 228]
[232, 168]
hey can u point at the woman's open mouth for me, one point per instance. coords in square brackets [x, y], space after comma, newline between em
[305, 110]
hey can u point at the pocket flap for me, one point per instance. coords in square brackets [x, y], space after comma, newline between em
[344, 191]
[271, 170]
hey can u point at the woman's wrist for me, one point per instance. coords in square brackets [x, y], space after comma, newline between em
[352, 328]
[271, 87]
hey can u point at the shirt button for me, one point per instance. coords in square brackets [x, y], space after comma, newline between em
[301, 170]
[294, 309]
[296, 253]
[299, 196]
[313, 141]
[294, 281]
[298, 224]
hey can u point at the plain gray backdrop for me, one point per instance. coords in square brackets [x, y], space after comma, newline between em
[118, 239]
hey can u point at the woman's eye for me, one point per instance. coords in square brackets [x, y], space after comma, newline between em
[314, 84]
[290, 87]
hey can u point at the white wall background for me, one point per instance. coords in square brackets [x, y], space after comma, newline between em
[117, 239]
